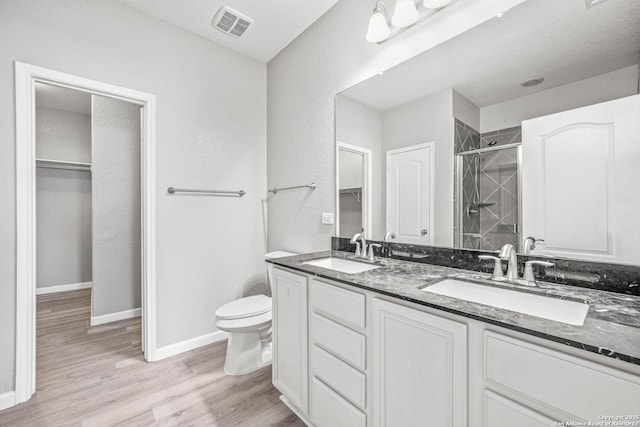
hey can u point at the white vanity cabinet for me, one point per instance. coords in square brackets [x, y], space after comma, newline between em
[348, 357]
[546, 387]
[419, 368]
[290, 356]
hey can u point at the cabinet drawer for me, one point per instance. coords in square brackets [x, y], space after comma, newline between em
[339, 340]
[578, 387]
[345, 306]
[344, 379]
[502, 412]
[328, 409]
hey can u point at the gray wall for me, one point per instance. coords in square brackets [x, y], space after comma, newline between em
[62, 135]
[63, 224]
[303, 79]
[63, 199]
[115, 141]
[424, 120]
[211, 133]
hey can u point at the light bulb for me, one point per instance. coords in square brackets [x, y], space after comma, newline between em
[378, 28]
[405, 14]
[435, 4]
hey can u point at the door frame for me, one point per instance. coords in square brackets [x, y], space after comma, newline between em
[26, 76]
[367, 179]
[431, 146]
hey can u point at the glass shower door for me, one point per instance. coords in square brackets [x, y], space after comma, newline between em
[488, 198]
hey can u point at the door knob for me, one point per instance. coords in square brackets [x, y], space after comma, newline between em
[423, 231]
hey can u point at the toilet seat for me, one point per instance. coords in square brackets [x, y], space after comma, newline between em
[244, 307]
[245, 324]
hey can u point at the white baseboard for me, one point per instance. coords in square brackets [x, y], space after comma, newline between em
[190, 344]
[63, 288]
[114, 317]
[7, 400]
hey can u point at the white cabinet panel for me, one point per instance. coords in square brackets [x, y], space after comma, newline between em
[328, 409]
[340, 304]
[346, 380]
[419, 368]
[569, 384]
[290, 358]
[502, 412]
[349, 345]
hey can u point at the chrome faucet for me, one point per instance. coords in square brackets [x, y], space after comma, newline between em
[371, 256]
[528, 278]
[497, 267]
[386, 247]
[361, 251]
[529, 244]
[508, 252]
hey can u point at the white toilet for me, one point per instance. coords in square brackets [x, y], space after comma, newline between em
[248, 322]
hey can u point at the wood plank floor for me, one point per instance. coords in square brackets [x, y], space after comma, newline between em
[96, 376]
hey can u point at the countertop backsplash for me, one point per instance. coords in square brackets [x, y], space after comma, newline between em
[620, 278]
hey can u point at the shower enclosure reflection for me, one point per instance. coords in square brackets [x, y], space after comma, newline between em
[487, 196]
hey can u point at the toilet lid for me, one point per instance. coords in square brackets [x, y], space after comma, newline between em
[245, 307]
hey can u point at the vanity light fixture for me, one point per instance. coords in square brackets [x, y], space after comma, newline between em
[378, 30]
[435, 4]
[404, 16]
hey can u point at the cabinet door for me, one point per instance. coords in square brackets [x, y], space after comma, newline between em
[290, 361]
[419, 368]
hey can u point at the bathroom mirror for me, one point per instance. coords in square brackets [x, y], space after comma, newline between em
[524, 126]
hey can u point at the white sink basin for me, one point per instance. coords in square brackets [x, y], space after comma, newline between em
[559, 310]
[342, 265]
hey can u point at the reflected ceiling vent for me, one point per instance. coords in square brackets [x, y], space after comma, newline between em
[532, 82]
[231, 22]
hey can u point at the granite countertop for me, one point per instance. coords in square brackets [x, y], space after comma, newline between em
[611, 328]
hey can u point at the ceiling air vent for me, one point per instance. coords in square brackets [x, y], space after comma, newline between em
[231, 22]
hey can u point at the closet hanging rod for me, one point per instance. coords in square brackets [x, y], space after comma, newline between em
[311, 186]
[240, 193]
[62, 164]
[489, 149]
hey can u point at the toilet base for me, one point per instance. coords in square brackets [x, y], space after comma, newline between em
[247, 352]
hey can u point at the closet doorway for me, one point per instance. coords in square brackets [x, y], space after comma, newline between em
[88, 200]
[85, 208]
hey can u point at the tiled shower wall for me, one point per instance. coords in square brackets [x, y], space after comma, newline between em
[465, 138]
[490, 218]
[499, 189]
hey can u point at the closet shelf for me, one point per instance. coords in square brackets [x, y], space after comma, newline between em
[356, 192]
[63, 164]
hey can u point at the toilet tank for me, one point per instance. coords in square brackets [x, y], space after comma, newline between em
[271, 255]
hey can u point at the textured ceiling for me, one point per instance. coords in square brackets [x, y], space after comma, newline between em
[276, 22]
[559, 40]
